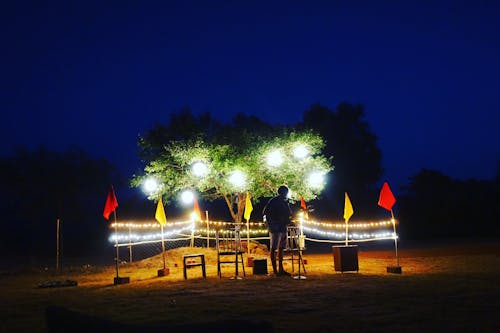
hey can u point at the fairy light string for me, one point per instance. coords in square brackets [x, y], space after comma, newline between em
[141, 232]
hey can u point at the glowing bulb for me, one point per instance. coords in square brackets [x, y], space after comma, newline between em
[199, 169]
[316, 179]
[300, 152]
[274, 158]
[150, 185]
[237, 178]
[187, 197]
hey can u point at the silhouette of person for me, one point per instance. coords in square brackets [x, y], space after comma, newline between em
[277, 214]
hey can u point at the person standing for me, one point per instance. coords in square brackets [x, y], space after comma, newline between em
[277, 214]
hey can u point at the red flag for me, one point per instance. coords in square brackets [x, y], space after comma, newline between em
[111, 203]
[303, 204]
[386, 198]
[196, 209]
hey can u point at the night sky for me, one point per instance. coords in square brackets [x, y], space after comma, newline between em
[98, 74]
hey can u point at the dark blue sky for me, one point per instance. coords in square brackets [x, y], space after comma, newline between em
[97, 74]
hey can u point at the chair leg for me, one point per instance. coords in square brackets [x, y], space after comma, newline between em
[184, 268]
[242, 264]
[236, 267]
[218, 267]
[302, 261]
[203, 267]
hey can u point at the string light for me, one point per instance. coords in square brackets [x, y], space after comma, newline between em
[156, 225]
[145, 232]
[352, 225]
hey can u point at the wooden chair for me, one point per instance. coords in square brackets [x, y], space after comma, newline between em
[293, 250]
[198, 260]
[229, 249]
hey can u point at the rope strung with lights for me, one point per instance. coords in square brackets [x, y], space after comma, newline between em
[135, 233]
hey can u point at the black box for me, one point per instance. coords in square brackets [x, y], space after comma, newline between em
[345, 258]
[259, 266]
[121, 280]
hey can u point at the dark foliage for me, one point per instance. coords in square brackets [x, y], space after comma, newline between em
[181, 126]
[42, 186]
[437, 206]
[349, 139]
[356, 157]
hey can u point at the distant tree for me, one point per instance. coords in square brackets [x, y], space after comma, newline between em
[242, 147]
[437, 206]
[41, 186]
[351, 142]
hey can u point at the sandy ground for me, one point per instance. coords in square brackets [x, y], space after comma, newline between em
[442, 287]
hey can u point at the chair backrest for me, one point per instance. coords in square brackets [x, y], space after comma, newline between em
[228, 240]
[293, 241]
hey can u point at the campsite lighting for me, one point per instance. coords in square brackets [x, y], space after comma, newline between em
[274, 158]
[237, 178]
[148, 225]
[187, 197]
[316, 179]
[199, 169]
[150, 185]
[328, 231]
[300, 152]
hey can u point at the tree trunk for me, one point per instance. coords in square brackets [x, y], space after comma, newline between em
[238, 215]
[241, 207]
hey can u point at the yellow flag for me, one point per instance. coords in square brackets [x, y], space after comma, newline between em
[348, 211]
[248, 208]
[160, 213]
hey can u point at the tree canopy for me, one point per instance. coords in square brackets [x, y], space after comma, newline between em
[358, 159]
[263, 160]
[41, 186]
[438, 206]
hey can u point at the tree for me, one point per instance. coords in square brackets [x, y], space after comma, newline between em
[237, 159]
[41, 186]
[181, 126]
[349, 139]
[437, 206]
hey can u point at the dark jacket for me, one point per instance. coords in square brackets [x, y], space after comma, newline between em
[277, 212]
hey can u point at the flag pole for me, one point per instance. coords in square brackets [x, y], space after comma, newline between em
[395, 237]
[248, 236]
[163, 247]
[346, 232]
[116, 246]
[162, 220]
[246, 214]
[57, 246]
[192, 232]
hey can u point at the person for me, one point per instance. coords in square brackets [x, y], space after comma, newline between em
[277, 214]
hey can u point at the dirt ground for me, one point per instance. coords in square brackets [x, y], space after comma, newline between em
[451, 287]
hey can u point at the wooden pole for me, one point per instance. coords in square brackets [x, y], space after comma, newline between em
[57, 245]
[302, 242]
[248, 237]
[208, 229]
[163, 247]
[395, 237]
[130, 244]
[346, 232]
[117, 258]
[192, 232]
